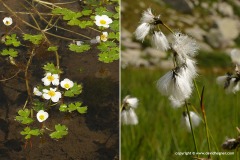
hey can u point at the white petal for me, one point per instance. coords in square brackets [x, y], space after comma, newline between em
[56, 97]
[55, 82]
[46, 96]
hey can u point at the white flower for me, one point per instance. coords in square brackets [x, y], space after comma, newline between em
[103, 37]
[51, 78]
[235, 56]
[103, 20]
[195, 119]
[7, 21]
[79, 43]
[132, 102]
[160, 41]
[142, 31]
[37, 92]
[42, 116]
[129, 117]
[184, 46]
[67, 84]
[52, 94]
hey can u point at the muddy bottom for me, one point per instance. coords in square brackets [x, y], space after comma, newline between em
[94, 135]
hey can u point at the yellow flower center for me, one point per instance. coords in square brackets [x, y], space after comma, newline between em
[7, 22]
[51, 93]
[103, 21]
[103, 37]
[50, 78]
[41, 117]
[66, 85]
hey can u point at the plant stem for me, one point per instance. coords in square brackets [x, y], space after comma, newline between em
[205, 122]
[190, 121]
[26, 75]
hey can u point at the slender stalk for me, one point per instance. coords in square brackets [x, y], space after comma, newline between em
[205, 122]
[26, 75]
[190, 121]
[167, 27]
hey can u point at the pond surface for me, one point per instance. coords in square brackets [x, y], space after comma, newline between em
[94, 135]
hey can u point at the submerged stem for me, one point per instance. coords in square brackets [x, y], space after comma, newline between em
[26, 75]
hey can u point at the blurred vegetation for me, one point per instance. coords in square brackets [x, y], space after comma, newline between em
[159, 133]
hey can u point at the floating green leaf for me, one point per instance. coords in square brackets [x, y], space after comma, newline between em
[75, 90]
[63, 108]
[38, 105]
[50, 67]
[73, 22]
[61, 130]
[84, 24]
[52, 48]
[82, 110]
[115, 25]
[108, 57]
[60, 11]
[35, 39]
[113, 35]
[24, 116]
[86, 12]
[79, 49]
[12, 40]
[30, 132]
[109, 52]
[103, 11]
[9, 52]
[77, 106]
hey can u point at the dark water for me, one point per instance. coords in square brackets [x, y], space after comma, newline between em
[93, 135]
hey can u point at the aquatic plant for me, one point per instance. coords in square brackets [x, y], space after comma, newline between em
[45, 26]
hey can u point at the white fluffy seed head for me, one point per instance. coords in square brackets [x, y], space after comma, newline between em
[182, 88]
[184, 46]
[221, 80]
[160, 41]
[233, 86]
[195, 119]
[164, 83]
[235, 56]
[142, 31]
[129, 117]
[176, 85]
[175, 103]
[147, 16]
